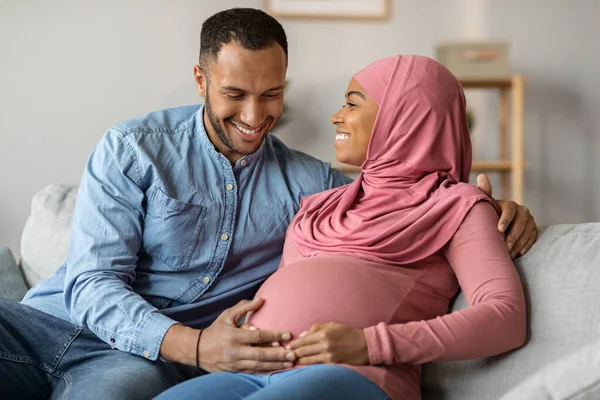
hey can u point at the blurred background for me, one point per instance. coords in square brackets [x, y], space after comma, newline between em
[70, 69]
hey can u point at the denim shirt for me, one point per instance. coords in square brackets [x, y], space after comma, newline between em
[166, 230]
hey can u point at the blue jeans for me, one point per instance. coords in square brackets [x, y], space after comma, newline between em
[43, 357]
[319, 381]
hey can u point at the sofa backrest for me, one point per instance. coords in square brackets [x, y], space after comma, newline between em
[561, 277]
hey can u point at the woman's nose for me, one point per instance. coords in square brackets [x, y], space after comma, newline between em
[337, 118]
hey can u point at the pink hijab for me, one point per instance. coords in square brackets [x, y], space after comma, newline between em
[412, 193]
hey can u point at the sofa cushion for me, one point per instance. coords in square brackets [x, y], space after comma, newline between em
[561, 277]
[47, 231]
[12, 285]
[576, 376]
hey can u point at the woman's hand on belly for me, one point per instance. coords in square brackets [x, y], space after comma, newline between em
[331, 343]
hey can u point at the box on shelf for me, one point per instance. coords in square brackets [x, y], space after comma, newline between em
[475, 60]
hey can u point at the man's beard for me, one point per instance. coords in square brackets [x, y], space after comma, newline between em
[219, 129]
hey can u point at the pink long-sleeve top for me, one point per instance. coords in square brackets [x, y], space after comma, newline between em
[403, 310]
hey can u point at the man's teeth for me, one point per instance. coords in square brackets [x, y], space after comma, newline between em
[341, 136]
[247, 131]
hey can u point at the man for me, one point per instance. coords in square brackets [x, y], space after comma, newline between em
[180, 215]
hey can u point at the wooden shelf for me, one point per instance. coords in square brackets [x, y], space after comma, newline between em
[482, 166]
[479, 166]
[477, 83]
[510, 110]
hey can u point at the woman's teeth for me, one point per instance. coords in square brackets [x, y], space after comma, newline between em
[341, 136]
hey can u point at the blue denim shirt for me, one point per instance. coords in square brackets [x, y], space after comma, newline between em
[166, 230]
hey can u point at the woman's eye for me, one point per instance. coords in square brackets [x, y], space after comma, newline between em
[350, 104]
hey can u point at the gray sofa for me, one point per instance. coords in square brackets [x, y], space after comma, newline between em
[561, 359]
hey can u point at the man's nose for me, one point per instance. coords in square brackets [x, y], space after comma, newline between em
[252, 113]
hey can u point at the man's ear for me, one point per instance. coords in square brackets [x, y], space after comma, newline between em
[201, 81]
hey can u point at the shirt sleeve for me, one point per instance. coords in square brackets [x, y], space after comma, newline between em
[106, 235]
[335, 178]
[493, 322]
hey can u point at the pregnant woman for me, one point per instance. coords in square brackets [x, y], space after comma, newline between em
[369, 269]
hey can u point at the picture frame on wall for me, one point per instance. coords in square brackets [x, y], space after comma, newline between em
[329, 9]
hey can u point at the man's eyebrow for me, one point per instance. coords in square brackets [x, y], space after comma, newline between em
[237, 89]
[280, 87]
[359, 94]
[232, 88]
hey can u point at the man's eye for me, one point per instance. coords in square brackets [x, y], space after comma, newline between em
[234, 96]
[271, 95]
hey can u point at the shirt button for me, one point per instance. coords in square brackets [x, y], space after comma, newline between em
[146, 354]
[112, 340]
[224, 236]
[229, 186]
[206, 279]
[243, 163]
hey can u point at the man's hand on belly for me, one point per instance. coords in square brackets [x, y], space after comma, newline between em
[226, 347]
[331, 343]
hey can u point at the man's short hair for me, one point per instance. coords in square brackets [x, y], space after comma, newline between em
[253, 29]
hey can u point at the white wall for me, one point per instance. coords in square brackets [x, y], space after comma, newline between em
[69, 69]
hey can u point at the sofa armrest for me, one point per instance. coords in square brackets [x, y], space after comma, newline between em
[12, 284]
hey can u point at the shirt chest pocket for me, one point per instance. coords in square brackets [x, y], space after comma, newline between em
[171, 229]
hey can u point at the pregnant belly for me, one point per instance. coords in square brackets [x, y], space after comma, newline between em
[324, 289]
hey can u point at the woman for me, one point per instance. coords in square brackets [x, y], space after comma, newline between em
[369, 269]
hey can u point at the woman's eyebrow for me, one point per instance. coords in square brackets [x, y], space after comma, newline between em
[359, 94]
